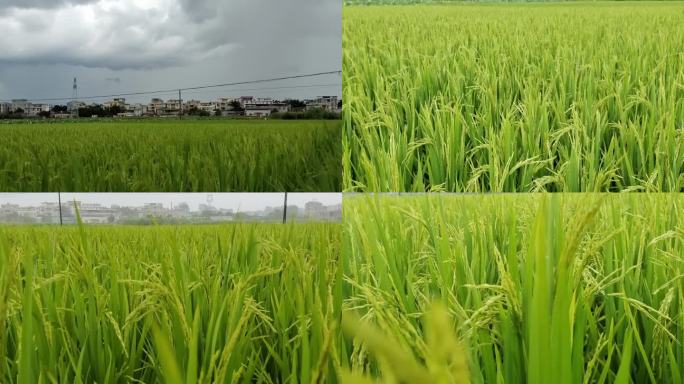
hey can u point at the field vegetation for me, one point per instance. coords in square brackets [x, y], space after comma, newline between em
[171, 156]
[570, 96]
[560, 288]
[243, 303]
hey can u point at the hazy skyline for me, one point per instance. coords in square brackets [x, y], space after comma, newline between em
[236, 201]
[127, 46]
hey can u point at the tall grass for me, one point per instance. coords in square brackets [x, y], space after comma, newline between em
[171, 156]
[560, 288]
[242, 303]
[514, 97]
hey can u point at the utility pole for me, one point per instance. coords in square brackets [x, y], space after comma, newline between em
[180, 105]
[59, 198]
[74, 98]
[285, 210]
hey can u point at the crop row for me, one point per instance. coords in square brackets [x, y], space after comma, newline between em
[562, 288]
[515, 98]
[171, 156]
[437, 288]
[194, 304]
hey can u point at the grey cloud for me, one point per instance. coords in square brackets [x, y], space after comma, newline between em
[43, 4]
[102, 35]
[154, 44]
[175, 32]
[199, 10]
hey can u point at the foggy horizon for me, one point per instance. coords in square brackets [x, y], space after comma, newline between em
[236, 201]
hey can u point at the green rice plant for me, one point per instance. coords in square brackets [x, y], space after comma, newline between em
[561, 97]
[539, 288]
[446, 361]
[171, 156]
[243, 303]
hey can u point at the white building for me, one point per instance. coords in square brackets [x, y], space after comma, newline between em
[244, 100]
[208, 107]
[8, 209]
[28, 212]
[192, 104]
[118, 102]
[314, 210]
[153, 209]
[264, 106]
[49, 209]
[156, 106]
[328, 103]
[20, 104]
[226, 103]
[137, 110]
[258, 101]
[33, 110]
[5, 108]
[258, 112]
[172, 105]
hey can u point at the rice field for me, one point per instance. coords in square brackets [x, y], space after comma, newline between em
[171, 156]
[243, 303]
[558, 97]
[526, 288]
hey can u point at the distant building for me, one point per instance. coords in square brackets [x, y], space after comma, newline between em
[328, 103]
[181, 210]
[262, 107]
[137, 110]
[192, 104]
[257, 112]
[90, 213]
[33, 110]
[155, 107]
[154, 209]
[5, 108]
[207, 208]
[244, 100]
[314, 210]
[208, 107]
[332, 212]
[258, 101]
[97, 213]
[74, 105]
[226, 103]
[20, 104]
[8, 209]
[118, 102]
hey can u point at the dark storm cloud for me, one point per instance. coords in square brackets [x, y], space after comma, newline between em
[147, 34]
[153, 43]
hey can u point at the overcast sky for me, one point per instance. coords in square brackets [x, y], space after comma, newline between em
[122, 46]
[236, 201]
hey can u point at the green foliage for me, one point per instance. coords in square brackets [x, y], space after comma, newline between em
[542, 288]
[194, 111]
[514, 97]
[311, 114]
[194, 304]
[100, 111]
[171, 156]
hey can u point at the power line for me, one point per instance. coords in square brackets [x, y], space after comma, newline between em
[175, 92]
[194, 88]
